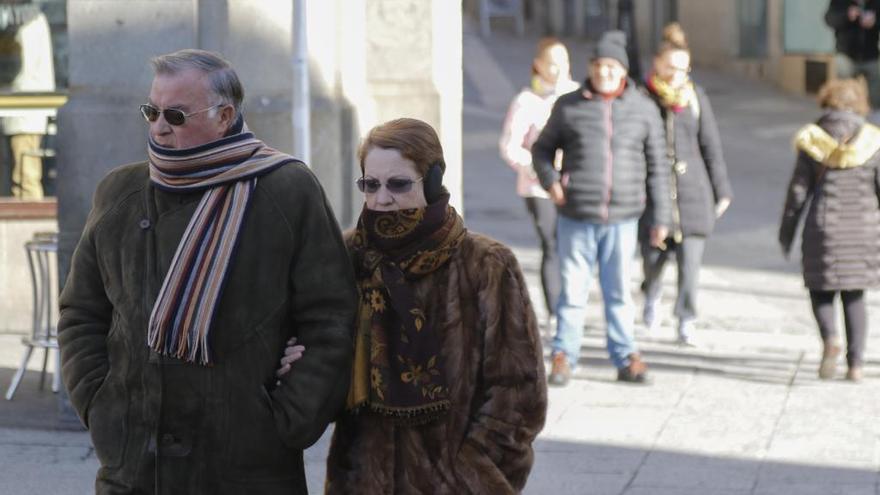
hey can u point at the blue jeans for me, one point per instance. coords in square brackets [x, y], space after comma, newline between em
[582, 247]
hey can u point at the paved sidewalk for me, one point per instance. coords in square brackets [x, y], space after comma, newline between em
[742, 413]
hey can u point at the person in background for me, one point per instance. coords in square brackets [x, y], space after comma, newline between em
[447, 392]
[700, 189]
[528, 112]
[29, 45]
[837, 174]
[613, 164]
[856, 32]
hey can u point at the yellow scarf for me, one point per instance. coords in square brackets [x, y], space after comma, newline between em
[822, 147]
[676, 99]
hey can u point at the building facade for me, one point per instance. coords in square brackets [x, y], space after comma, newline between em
[367, 61]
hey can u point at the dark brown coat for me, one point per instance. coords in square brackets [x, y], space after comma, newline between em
[160, 425]
[841, 235]
[494, 367]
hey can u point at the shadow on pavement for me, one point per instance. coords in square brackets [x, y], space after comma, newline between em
[30, 407]
[756, 369]
[560, 467]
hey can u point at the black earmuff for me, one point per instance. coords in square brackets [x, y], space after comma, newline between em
[433, 182]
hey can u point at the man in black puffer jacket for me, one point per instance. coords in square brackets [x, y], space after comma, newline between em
[613, 164]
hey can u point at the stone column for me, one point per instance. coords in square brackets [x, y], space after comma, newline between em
[109, 48]
[414, 70]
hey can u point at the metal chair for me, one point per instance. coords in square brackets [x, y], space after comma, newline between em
[42, 252]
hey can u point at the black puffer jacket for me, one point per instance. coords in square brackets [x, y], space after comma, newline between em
[854, 41]
[704, 180]
[613, 156]
[841, 238]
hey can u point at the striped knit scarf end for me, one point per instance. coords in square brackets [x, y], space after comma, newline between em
[182, 317]
[227, 170]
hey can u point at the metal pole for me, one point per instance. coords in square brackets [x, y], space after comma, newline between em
[301, 96]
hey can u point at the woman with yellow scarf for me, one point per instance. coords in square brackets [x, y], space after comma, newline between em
[700, 188]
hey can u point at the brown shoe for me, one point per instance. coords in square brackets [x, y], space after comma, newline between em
[854, 373]
[635, 372]
[828, 366]
[560, 372]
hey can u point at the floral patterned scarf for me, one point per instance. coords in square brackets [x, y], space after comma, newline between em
[398, 370]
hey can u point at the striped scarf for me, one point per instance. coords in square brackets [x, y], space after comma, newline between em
[227, 171]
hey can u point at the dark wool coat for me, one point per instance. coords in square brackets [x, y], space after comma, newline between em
[613, 156]
[495, 371]
[225, 428]
[697, 143]
[841, 235]
[851, 39]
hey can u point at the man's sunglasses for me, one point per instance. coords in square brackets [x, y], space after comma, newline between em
[394, 185]
[172, 115]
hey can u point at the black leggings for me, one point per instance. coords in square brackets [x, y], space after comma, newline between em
[854, 317]
[543, 213]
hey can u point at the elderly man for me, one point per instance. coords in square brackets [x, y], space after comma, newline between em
[193, 271]
[613, 149]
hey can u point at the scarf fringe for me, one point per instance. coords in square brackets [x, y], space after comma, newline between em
[410, 416]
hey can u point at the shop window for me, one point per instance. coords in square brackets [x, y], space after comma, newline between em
[33, 78]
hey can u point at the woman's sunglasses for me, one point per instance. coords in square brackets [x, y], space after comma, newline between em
[395, 185]
[172, 115]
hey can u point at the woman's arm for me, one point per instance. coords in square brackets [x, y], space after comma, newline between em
[799, 190]
[512, 145]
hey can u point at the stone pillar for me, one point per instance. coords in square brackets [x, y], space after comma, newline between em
[579, 18]
[109, 75]
[554, 17]
[414, 70]
[336, 44]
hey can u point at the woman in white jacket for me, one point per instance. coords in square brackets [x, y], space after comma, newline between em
[528, 112]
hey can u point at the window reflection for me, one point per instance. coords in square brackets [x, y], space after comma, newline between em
[28, 96]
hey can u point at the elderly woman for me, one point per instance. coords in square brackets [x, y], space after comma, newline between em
[836, 173]
[447, 389]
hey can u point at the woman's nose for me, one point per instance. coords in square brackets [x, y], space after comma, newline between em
[384, 197]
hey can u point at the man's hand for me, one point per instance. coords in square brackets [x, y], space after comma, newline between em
[291, 353]
[557, 194]
[721, 206]
[659, 234]
[853, 13]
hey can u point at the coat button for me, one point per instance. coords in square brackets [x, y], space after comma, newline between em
[144, 224]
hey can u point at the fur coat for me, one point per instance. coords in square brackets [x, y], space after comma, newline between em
[494, 366]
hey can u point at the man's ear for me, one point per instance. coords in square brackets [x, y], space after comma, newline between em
[227, 116]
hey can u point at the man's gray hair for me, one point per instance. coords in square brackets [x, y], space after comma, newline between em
[224, 81]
